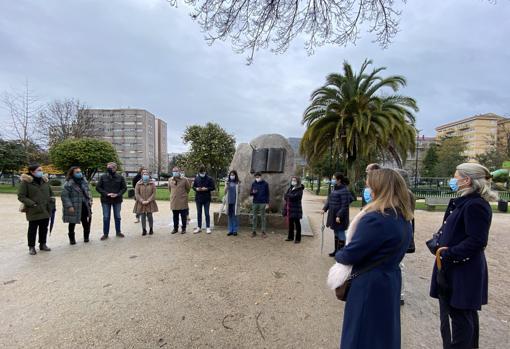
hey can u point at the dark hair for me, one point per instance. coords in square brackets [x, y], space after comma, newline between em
[70, 172]
[258, 174]
[202, 169]
[341, 178]
[233, 172]
[141, 169]
[298, 179]
[32, 167]
[373, 167]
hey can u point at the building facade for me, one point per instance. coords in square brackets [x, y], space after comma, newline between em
[480, 132]
[161, 146]
[133, 133]
[414, 161]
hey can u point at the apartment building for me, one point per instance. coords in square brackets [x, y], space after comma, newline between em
[479, 132]
[161, 146]
[415, 159]
[137, 135]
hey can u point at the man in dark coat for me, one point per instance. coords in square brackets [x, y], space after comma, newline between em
[203, 185]
[260, 192]
[111, 186]
[293, 209]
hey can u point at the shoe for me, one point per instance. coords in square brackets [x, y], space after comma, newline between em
[253, 234]
[264, 235]
[230, 234]
[183, 231]
[144, 232]
[136, 220]
[104, 237]
[234, 233]
[86, 239]
[288, 239]
[119, 235]
[151, 231]
[174, 231]
[208, 231]
[402, 301]
[72, 240]
[297, 241]
[197, 230]
[43, 247]
[32, 251]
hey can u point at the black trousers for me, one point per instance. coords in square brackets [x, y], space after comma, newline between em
[464, 332]
[84, 222]
[33, 226]
[294, 223]
[184, 218]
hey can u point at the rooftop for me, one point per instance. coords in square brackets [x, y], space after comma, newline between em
[488, 116]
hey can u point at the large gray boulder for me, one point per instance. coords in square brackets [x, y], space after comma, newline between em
[278, 182]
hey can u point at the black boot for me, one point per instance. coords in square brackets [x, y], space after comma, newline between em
[332, 254]
[144, 232]
[72, 240]
[32, 251]
[43, 247]
[341, 244]
[86, 235]
[151, 231]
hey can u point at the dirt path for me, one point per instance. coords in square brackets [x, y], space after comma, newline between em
[204, 291]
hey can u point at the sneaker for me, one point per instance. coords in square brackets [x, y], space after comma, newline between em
[104, 237]
[119, 235]
[32, 251]
[264, 235]
[253, 234]
[208, 231]
[197, 230]
[230, 234]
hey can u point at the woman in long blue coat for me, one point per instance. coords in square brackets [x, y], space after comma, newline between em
[463, 238]
[379, 242]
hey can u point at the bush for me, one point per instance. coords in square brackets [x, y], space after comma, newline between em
[55, 182]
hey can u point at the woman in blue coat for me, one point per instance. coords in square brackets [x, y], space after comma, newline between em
[462, 240]
[379, 241]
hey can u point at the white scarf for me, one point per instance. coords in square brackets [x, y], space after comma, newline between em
[339, 273]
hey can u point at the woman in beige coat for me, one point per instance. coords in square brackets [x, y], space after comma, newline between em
[145, 206]
[179, 187]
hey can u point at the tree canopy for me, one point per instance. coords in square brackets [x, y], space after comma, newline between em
[90, 154]
[12, 156]
[450, 154]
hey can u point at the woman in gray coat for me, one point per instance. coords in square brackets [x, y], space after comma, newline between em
[77, 203]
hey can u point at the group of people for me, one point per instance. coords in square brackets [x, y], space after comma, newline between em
[368, 249]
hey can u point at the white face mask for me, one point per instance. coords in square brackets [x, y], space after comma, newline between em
[232, 178]
[293, 183]
[258, 179]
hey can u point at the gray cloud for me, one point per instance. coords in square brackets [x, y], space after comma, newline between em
[146, 54]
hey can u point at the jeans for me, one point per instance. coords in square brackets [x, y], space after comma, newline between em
[206, 206]
[42, 224]
[340, 234]
[84, 221]
[233, 220]
[146, 216]
[259, 210]
[184, 219]
[464, 331]
[294, 222]
[106, 217]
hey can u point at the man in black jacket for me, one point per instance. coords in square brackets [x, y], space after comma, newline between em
[111, 186]
[203, 185]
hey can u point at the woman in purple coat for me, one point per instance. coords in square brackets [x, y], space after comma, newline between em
[462, 240]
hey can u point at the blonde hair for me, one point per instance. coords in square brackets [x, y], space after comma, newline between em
[480, 181]
[390, 192]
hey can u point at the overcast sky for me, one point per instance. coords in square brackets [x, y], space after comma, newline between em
[147, 54]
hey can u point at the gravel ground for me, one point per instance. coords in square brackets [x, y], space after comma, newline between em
[206, 291]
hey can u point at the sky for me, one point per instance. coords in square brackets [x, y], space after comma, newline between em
[147, 54]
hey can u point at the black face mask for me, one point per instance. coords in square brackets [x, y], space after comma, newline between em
[111, 171]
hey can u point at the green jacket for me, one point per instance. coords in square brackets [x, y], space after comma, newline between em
[38, 199]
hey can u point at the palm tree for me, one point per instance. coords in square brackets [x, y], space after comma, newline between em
[351, 114]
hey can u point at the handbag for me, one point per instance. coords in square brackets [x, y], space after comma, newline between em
[342, 291]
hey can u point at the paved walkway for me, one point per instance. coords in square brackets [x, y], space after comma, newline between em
[204, 291]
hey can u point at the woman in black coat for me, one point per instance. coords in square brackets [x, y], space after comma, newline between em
[462, 241]
[293, 209]
[337, 207]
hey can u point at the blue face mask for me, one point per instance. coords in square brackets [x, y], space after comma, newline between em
[454, 184]
[38, 174]
[145, 178]
[367, 195]
[176, 174]
[78, 175]
[333, 182]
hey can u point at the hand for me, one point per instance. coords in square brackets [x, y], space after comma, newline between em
[338, 219]
[71, 210]
[322, 211]
[113, 195]
[204, 189]
[254, 191]
[145, 202]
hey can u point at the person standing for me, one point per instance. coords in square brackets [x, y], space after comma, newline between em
[111, 186]
[337, 207]
[231, 199]
[203, 185]
[366, 195]
[38, 202]
[77, 203]
[293, 209]
[260, 192]
[135, 180]
[461, 243]
[179, 187]
[376, 243]
[145, 206]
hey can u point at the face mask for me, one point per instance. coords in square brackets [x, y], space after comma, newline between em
[293, 183]
[202, 175]
[258, 179]
[333, 182]
[232, 178]
[145, 178]
[367, 195]
[183, 174]
[176, 174]
[78, 175]
[454, 184]
[38, 174]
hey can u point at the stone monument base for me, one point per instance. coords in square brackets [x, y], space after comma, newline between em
[274, 222]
